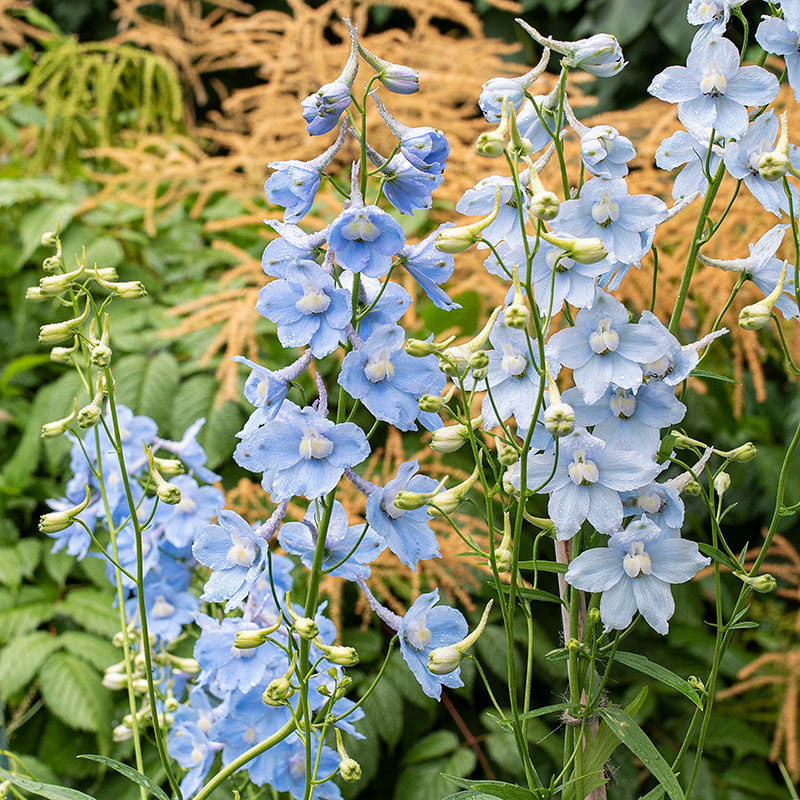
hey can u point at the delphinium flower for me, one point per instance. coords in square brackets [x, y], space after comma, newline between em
[406, 186]
[513, 90]
[430, 268]
[408, 533]
[586, 482]
[170, 606]
[197, 505]
[389, 381]
[314, 312]
[293, 184]
[634, 573]
[293, 251]
[134, 431]
[629, 420]
[689, 148]
[764, 268]
[288, 773]
[780, 36]
[322, 109]
[625, 223]
[661, 502]
[603, 348]
[713, 14]
[380, 302]
[743, 161]
[348, 546]
[604, 151]
[236, 555]
[480, 200]
[301, 452]
[713, 90]
[75, 540]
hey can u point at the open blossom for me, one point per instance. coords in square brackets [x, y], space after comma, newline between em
[689, 148]
[406, 186]
[660, 501]
[712, 13]
[603, 347]
[430, 268]
[634, 573]
[713, 90]
[386, 304]
[605, 152]
[586, 482]
[293, 252]
[170, 606]
[197, 505]
[780, 36]
[539, 123]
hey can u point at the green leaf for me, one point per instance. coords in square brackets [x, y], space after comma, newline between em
[24, 616]
[149, 386]
[72, 691]
[100, 653]
[714, 376]
[91, 609]
[530, 594]
[21, 658]
[46, 790]
[538, 712]
[434, 745]
[717, 555]
[627, 730]
[10, 568]
[129, 772]
[661, 674]
[506, 791]
[543, 566]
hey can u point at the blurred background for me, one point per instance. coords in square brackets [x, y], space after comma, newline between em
[143, 130]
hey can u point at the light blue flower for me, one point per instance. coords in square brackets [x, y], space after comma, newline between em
[406, 186]
[713, 14]
[782, 37]
[191, 452]
[197, 506]
[494, 91]
[625, 223]
[265, 389]
[314, 312]
[389, 382]
[603, 348]
[689, 148]
[634, 573]
[430, 268]
[235, 553]
[408, 534]
[288, 773]
[364, 239]
[193, 751]
[386, 305]
[626, 420]
[741, 161]
[424, 628]
[661, 502]
[713, 90]
[169, 607]
[605, 152]
[479, 201]
[299, 539]
[587, 479]
[134, 432]
[301, 452]
[293, 252]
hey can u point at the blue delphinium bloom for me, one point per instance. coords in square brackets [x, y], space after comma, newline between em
[494, 91]
[603, 348]
[301, 452]
[364, 239]
[661, 502]
[299, 539]
[236, 555]
[387, 305]
[572, 282]
[408, 534]
[293, 185]
[265, 389]
[198, 504]
[479, 201]
[314, 312]
[169, 607]
[406, 186]
[781, 36]
[634, 573]
[605, 152]
[191, 452]
[587, 479]
[288, 773]
[713, 90]
[225, 667]
[627, 420]
[292, 253]
[689, 148]
[389, 381]
[193, 751]
[512, 378]
[624, 222]
[425, 627]
[742, 158]
[712, 13]
[430, 268]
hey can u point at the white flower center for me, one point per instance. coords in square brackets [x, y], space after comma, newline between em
[582, 471]
[379, 366]
[262, 389]
[251, 735]
[709, 12]
[660, 368]
[313, 301]
[315, 445]
[124, 434]
[605, 210]
[198, 753]
[713, 82]
[297, 766]
[361, 228]
[417, 633]
[204, 721]
[242, 552]
[651, 502]
[623, 403]
[186, 504]
[636, 561]
[605, 338]
[162, 608]
[513, 362]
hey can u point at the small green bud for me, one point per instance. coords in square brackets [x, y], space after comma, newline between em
[583, 250]
[758, 583]
[306, 628]
[517, 315]
[444, 660]
[169, 467]
[693, 488]
[34, 294]
[121, 733]
[278, 692]
[573, 645]
[168, 493]
[128, 290]
[503, 559]
[743, 453]
[49, 239]
[350, 770]
[52, 264]
[479, 360]
[336, 654]
[491, 144]
[506, 454]
[52, 429]
[431, 403]
[63, 355]
[696, 683]
[248, 639]
[101, 355]
[544, 206]
[90, 414]
[594, 616]
[559, 419]
[722, 483]
[755, 317]
[450, 438]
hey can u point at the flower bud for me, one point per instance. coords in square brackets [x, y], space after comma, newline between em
[479, 360]
[544, 205]
[696, 683]
[280, 690]
[90, 414]
[408, 501]
[168, 493]
[305, 627]
[758, 583]
[396, 78]
[101, 352]
[508, 486]
[169, 467]
[444, 660]
[49, 239]
[744, 452]
[506, 454]
[114, 680]
[502, 554]
[594, 616]
[450, 438]
[189, 666]
[559, 419]
[121, 733]
[56, 521]
[53, 263]
[56, 332]
[573, 645]
[336, 654]
[34, 294]
[755, 317]
[722, 482]
[63, 355]
[459, 239]
[171, 704]
[52, 285]
[248, 639]
[587, 250]
[420, 348]
[693, 488]
[448, 501]
[350, 770]
[434, 402]
[776, 164]
[52, 429]
[491, 144]
[519, 146]
[517, 314]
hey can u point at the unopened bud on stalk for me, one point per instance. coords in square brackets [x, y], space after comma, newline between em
[408, 501]
[280, 690]
[450, 438]
[745, 452]
[190, 666]
[52, 285]
[517, 315]
[594, 616]
[758, 583]
[506, 454]
[34, 294]
[127, 290]
[459, 239]
[696, 683]
[54, 263]
[420, 348]
[544, 204]
[478, 360]
[519, 146]
[693, 488]
[722, 482]
[166, 492]
[434, 402]
[774, 165]
[169, 467]
[756, 316]
[52, 429]
[559, 417]
[114, 681]
[57, 521]
[449, 500]
[90, 414]
[49, 239]
[55, 332]
[336, 654]
[396, 78]
[443, 660]
[455, 359]
[587, 250]
[492, 143]
[121, 733]
[503, 552]
[304, 627]
[101, 352]
[349, 768]
[249, 639]
[63, 355]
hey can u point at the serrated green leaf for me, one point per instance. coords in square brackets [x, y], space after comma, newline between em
[91, 609]
[29, 553]
[58, 565]
[627, 730]
[130, 773]
[10, 567]
[149, 386]
[661, 674]
[21, 658]
[100, 653]
[73, 692]
[434, 745]
[46, 790]
[24, 617]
